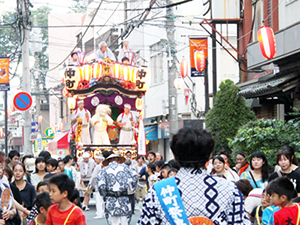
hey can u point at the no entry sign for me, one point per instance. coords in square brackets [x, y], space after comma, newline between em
[22, 101]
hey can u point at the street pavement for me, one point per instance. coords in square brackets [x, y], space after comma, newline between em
[92, 213]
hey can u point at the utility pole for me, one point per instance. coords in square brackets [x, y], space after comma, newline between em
[26, 80]
[173, 114]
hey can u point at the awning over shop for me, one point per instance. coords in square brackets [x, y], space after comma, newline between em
[60, 141]
[151, 133]
[276, 85]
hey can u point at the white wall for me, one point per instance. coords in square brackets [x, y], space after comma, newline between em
[288, 13]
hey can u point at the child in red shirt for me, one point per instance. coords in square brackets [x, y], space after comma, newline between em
[282, 190]
[63, 211]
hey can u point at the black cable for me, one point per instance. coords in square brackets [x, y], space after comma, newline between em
[76, 44]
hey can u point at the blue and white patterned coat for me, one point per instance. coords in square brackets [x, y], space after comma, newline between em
[117, 177]
[202, 195]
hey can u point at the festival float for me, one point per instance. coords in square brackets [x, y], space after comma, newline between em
[113, 84]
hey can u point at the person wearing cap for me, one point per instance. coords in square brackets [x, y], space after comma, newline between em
[126, 121]
[193, 193]
[104, 52]
[85, 115]
[86, 169]
[126, 52]
[115, 180]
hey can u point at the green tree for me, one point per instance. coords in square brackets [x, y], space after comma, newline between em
[267, 136]
[228, 114]
[77, 7]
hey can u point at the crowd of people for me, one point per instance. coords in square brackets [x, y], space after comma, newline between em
[195, 184]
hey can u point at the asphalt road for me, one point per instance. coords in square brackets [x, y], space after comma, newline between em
[92, 213]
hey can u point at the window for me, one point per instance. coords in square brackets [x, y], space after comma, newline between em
[157, 61]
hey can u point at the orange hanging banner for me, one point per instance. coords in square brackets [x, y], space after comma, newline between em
[197, 44]
[4, 74]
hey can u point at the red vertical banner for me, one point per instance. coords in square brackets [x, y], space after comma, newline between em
[4, 74]
[197, 44]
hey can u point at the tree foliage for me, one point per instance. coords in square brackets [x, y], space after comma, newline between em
[228, 114]
[267, 136]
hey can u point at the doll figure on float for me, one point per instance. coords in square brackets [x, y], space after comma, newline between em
[100, 121]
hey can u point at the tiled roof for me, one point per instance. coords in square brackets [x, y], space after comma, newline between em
[278, 83]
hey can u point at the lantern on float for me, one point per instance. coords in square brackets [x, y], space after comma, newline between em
[81, 56]
[87, 73]
[200, 63]
[184, 68]
[72, 77]
[139, 104]
[178, 83]
[60, 126]
[97, 73]
[143, 79]
[266, 40]
[126, 73]
[133, 71]
[65, 92]
[71, 102]
[117, 71]
[1, 132]
[40, 119]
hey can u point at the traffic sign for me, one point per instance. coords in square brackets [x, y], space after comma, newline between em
[22, 101]
[49, 132]
[34, 127]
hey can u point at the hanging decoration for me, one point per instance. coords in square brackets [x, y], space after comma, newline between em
[65, 92]
[40, 119]
[143, 79]
[97, 73]
[184, 68]
[266, 40]
[200, 60]
[81, 56]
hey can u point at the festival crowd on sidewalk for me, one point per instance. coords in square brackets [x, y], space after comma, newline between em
[196, 185]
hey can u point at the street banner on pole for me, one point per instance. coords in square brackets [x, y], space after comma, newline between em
[197, 44]
[4, 74]
[142, 139]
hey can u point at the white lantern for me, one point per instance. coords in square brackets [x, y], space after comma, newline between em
[71, 102]
[139, 104]
[97, 71]
[178, 84]
[143, 79]
[87, 72]
[117, 71]
[126, 73]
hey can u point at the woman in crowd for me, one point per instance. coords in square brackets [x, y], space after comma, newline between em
[258, 176]
[285, 159]
[27, 191]
[40, 166]
[241, 163]
[219, 169]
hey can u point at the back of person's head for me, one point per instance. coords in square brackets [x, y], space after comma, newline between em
[265, 166]
[281, 186]
[13, 153]
[174, 164]
[152, 167]
[192, 147]
[74, 196]
[68, 158]
[172, 170]
[45, 154]
[160, 163]
[106, 153]
[63, 183]
[223, 152]
[42, 184]
[88, 149]
[52, 162]
[244, 187]
[289, 153]
[128, 162]
[43, 200]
